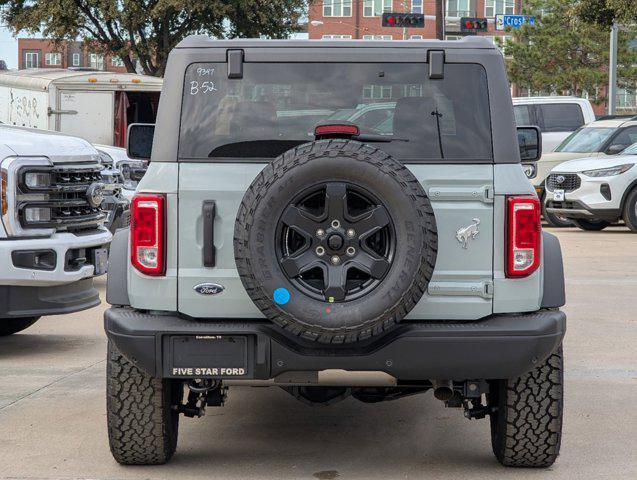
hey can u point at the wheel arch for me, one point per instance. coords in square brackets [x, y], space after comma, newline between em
[117, 280]
[630, 188]
[553, 294]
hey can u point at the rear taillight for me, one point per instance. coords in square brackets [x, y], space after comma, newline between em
[147, 239]
[524, 236]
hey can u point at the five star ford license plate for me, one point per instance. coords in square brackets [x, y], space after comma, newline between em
[202, 356]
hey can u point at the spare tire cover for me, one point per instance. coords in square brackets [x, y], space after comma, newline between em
[335, 241]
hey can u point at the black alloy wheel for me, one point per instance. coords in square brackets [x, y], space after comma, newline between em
[336, 242]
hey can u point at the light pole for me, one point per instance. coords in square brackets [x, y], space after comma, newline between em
[612, 69]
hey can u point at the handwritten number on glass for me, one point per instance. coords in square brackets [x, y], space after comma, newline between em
[206, 87]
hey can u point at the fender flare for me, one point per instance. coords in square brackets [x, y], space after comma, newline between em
[553, 294]
[117, 280]
[629, 189]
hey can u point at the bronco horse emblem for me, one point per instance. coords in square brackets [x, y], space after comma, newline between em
[465, 233]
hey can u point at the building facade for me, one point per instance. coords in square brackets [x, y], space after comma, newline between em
[42, 53]
[361, 19]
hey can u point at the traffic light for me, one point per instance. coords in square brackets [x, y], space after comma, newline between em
[471, 24]
[403, 20]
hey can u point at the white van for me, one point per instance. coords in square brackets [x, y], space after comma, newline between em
[556, 116]
[96, 106]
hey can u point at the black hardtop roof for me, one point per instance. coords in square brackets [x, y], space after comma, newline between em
[203, 41]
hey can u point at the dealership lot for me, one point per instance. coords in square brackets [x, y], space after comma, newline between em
[52, 403]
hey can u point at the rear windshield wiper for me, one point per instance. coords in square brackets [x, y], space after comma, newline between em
[373, 138]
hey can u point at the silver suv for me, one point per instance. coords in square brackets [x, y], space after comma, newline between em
[266, 252]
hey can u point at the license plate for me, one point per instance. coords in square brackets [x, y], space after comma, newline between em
[100, 260]
[215, 356]
[558, 195]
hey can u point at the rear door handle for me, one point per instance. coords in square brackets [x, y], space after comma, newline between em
[209, 212]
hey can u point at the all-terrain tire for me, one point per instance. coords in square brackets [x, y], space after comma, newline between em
[414, 258]
[526, 415]
[142, 425]
[630, 210]
[591, 225]
[9, 326]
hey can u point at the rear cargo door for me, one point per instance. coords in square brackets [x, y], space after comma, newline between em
[88, 115]
[237, 117]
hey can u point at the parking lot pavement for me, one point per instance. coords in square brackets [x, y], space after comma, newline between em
[52, 404]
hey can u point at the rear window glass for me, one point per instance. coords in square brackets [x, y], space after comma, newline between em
[523, 116]
[275, 106]
[560, 117]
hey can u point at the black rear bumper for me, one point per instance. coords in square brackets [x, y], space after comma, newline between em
[500, 346]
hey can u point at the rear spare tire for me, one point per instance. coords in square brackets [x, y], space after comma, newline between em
[335, 241]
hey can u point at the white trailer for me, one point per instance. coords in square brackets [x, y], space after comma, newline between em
[94, 105]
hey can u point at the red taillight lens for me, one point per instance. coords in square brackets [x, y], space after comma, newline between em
[524, 236]
[147, 240]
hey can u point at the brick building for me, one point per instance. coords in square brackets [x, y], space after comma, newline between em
[42, 53]
[352, 19]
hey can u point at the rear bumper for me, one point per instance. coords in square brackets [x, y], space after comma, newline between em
[500, 346]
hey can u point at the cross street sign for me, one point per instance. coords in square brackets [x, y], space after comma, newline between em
[513, 21]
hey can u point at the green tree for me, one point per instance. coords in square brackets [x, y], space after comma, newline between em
[564, 52]
[605, 12]
[147, 30]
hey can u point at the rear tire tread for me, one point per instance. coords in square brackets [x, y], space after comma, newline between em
[528, 432]
[142, 427]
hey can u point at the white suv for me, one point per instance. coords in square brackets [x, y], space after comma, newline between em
[594, 192]
[601, 139]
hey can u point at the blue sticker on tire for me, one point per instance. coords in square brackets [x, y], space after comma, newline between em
[281, 296]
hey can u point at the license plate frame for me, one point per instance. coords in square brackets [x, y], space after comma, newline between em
[208, 356]
[559, 195]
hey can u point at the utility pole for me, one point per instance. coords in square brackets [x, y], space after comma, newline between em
[612, 69]
[357, 19]
[406, 10]
[440, 20]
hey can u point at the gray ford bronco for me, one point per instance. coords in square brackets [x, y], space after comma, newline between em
[390, 253]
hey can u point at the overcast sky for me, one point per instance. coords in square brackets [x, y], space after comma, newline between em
[8, 48]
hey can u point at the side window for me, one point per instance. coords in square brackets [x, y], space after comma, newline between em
[523, 115]
[625, 137]
[560, 117]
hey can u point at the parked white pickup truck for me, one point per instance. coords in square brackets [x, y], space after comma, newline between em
[52, 238]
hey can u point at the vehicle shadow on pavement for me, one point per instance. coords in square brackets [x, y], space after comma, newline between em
[32, 345]
[383, 440]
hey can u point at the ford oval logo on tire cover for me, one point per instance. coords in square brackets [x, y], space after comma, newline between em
[209, 288]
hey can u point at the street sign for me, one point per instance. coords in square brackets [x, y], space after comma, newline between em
[513, 21]
[472, 24]
[403, 20]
